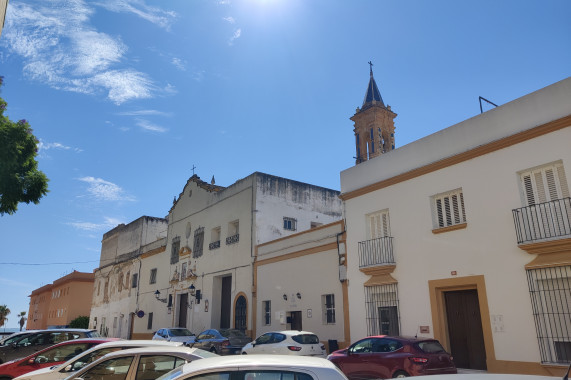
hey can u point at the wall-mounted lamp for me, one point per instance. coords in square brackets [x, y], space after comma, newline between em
[285, 297]
[298, 295]
[158, 295]
[191, 289]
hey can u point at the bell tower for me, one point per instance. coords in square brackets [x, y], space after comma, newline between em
[374, 124]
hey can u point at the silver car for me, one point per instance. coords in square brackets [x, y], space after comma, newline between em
[174, 334]
[145, 363]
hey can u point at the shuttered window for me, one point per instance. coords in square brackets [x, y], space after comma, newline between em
[544, 184]
[378, 225]
[449, 209]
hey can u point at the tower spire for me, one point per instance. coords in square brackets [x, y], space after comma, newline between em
[374, 126]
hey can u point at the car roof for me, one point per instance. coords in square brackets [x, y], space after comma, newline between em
[151, 350]
[410, 339]
[75, 341]
[257, 361]
[141, 342]
[292, 332]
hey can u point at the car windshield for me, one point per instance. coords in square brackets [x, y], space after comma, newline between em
[431, 347]
[227, 333]
[306, 339]
[204, 354]
[181, 332]
[14, 339]
[94, 334]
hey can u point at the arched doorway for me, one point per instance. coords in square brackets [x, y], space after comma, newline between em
[240, 313]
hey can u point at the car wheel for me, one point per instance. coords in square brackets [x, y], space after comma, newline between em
[399, 374]
[244, 353]
[213, 350]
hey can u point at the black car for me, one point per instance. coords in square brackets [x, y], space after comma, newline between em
[22, 345]
[221, 341]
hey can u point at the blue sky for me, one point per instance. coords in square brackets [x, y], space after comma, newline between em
[126, 96]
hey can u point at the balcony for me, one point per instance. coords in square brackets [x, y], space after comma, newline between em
[543, 221]
[376, 252]
[214, 245]
[232, 239]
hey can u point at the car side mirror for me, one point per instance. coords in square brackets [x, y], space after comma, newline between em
[67, 368]
[32, 360]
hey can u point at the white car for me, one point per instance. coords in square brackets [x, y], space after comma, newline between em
[174, 334]
[143, 363]
[64, 370]
[257, 367]
[288, 342]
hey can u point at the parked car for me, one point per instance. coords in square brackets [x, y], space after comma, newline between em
[288, 342]
[48, 357]
[59, 372]
[7, 339]
[222, 341]
[174, 334]
[388, 356]
[144, 363]
[258, 367]
[27, 344]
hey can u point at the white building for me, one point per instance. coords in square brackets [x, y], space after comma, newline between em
[465, 235]
[116, 296]
[300, 284]
[212, 235]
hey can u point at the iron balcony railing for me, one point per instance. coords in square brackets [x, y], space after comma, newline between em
[232, 239]
[543, 221]
[214, 245]
[376, 252]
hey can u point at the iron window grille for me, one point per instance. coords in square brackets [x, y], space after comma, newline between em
[290, 224]
[267, 313]
[153, 278]
[134, 281]
[550, 292]
[150, 321]
[382, 310]
[328, 304]
[198, 242]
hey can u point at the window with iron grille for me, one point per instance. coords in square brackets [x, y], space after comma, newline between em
[267, 307]
[328, 306]
[550, 291]
[134, 281]
[198, 242]
[175, 247]
[290, 223]
[448, 209]
[153, 279]
[382, 310]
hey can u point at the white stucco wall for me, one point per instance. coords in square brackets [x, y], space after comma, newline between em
[488, 245]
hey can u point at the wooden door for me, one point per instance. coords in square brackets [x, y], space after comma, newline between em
[183, 310]
[465, 329]
[226, 302]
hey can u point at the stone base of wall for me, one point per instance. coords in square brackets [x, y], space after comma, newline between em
[137, 336]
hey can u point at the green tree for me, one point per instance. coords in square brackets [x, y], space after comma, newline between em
[20, 179]
[81, 322]
[4, 311]
[22, 320]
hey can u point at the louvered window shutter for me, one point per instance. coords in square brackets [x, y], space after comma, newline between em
[379, 225]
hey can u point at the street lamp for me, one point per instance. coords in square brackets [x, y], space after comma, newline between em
[157, 296]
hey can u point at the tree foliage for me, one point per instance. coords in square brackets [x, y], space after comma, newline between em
[81, 322]
[20, 179]
[4, 311]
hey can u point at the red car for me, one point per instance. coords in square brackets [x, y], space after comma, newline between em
[48, 357]
[383, 357]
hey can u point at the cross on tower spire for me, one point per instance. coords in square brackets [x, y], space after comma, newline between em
[371, 66]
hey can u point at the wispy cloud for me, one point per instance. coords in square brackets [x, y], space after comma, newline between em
[104, 190]
[179, 64]
[106, 224]
[198, 75]
[44, 146]
[145, 113]
[61, 48]
[230, 19]
[155, 15]
[235, 36]
[148, 126]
